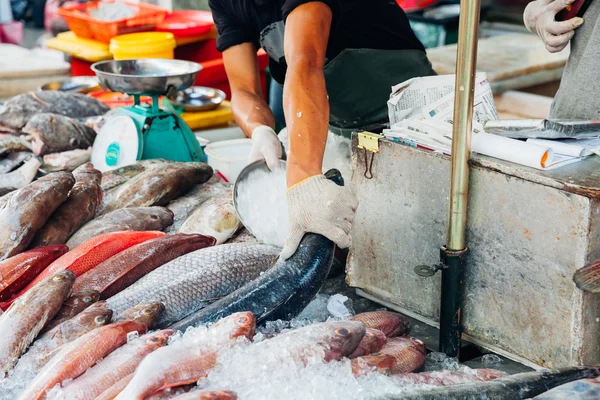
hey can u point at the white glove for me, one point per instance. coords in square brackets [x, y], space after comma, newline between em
[265, 146]
[318, 205]
[539, 18]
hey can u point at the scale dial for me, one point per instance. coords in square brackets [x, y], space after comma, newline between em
[118, 144]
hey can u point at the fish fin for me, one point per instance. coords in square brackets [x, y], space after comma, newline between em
[177, 384]
[274, 308]
[30, 337]
[588, 277]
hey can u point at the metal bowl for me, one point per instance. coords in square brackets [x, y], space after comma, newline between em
[78, 84]
[199, 98]
[147, 76]
[241, 178]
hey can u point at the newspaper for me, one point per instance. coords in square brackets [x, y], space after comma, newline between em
[432, 97]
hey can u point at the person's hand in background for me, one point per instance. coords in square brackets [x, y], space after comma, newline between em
[539, 18]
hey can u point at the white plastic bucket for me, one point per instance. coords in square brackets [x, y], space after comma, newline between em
[229, 157]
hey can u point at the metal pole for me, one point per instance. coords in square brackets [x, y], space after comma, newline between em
[453, 254]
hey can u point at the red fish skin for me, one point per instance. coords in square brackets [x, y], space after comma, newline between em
[214, 395]
[76, 357]
[114, 390]
[376, 362]
[122, 270]
[372, 342]
[17, 271]
[409, 354]
[390, 323]
[91, 253]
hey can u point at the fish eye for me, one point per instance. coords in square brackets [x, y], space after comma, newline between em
[58, 278]
[343, 332]
[378, 354]
[146, 311]
[369, 334]
[99, 320]
[87, 299]
[242, 320]
[492, 376]
[154, 216]
[154, 340]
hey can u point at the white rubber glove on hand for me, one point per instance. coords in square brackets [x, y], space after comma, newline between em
[318, 205]
[265, 146]
[539, 18]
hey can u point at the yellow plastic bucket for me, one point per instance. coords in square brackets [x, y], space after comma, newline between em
[143, 45]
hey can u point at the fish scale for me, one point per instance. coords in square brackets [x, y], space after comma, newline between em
[196, 279]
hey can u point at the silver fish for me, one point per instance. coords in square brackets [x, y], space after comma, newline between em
[20, 177]
[67, 160]
[13, 160]
[196, 279]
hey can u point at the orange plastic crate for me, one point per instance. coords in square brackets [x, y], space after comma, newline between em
[79, 21]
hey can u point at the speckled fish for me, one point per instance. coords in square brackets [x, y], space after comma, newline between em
[11, 143]
[390, 323]
[15, 112]
[215, 217]
[20, 177]
[196, 279]
[213, 395]
[409, 354]
[48, 344]
[13, 160]
[66, 160]
[116, 177]
[80, 207]
[447, 378]
[185, 205]
[130, 219]
[159, 186]
[17, 271]
[518, 386]
[114, 390]
[73, 306]
[145, 313]
[53, 133]
[372, 342]
[22, 322]
[29, 209]
[125, 268]
[117, 365]
[188, 360]
[584, 389]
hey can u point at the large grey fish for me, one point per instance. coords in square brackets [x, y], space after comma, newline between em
[29, 209]
[196, 279]
[53, 133]
[15, 112]
[514, 387]
[13, 160]
[79, 208]
[66, 160]
[159, 186]
[20, 177]
[26, 317]
[185, 205]
[128, 219]
[116, 177]
[283, 291]
[11, 143]
[583, 389]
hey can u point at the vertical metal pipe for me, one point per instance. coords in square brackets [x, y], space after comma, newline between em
[453, 254]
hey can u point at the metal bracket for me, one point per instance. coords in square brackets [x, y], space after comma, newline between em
[369, 142]
[427, 271]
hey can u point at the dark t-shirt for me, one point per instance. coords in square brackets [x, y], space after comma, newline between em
[356, 24]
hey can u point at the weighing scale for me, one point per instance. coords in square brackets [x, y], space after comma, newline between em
[145, 131]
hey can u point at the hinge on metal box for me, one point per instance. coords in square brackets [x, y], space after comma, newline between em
[369, 142]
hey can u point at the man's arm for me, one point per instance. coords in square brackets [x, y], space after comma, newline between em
[305, 100]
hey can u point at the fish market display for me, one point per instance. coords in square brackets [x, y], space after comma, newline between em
[372, 342]
[409, 354]
[144, 313]
[16, 112]
[197, 395]
[53, 133]
[186, 362]
[73, 306]
[11, 143]
[159, 186]
[446, 378]
[282, 292]
[27, 316]
[584, 389]
[13, 160]
[117, 365]
[519, 386]
[196, 279]
[116, 177]
[130, 219]
[66, 160]
[29, 209]
[390, 323]
[215, 217]
[17, 271]
[91, 253]
[185, 205]
[125, 268]
[114, 390]
[20, 177]
[79, 208]
[76, 357]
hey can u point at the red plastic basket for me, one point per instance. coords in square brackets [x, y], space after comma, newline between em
[79, 21]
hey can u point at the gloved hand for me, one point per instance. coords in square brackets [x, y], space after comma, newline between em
[539, 19]
[318, 205]
[265, 146]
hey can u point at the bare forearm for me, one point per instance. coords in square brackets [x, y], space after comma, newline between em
[307, 115]
[251, 111]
